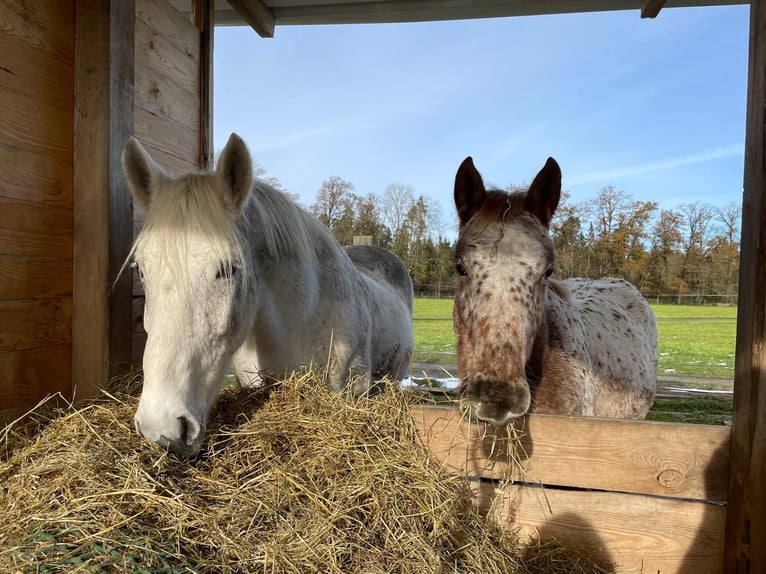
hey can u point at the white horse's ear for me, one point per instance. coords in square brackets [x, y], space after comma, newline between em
[470, 192]
[235, 172]
[141, 171]
[545, 192]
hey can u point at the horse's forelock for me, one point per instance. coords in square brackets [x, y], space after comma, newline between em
[192, 205]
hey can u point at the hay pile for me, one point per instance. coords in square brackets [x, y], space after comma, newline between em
[301, 482]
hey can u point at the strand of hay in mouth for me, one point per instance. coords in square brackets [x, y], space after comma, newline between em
[294, 479]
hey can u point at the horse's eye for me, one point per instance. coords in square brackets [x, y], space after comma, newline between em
[460, 269]
[549, 271]
[226, 271]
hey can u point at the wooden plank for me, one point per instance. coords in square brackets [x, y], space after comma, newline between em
[259, 16]
[35, 323]
[29, 229]
[156, 52]
[34, 177]
[640, 534]
[43, 25]
[37, 72]
[23, 277]
[665, 459]
[383, 11]
[745, 550]
[35, 125]
[170, 161]
[104, 57]
[170, 137]
[161, 96]
[43, 371]
[174, 27]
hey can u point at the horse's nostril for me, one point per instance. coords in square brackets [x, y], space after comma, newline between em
[138, 428]
[184, 428]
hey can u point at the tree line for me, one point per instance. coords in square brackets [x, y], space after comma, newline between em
[690, 249]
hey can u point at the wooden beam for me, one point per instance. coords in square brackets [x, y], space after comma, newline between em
[646, 495]
[380, 11]
[650, 8]
[745, 550]
[257, 15]
[204, 19]
[103, 213]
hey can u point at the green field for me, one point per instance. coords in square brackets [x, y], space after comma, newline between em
[693, 341]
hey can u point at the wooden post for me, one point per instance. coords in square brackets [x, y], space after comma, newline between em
[745, 549]
[204, 14]
[103, 212]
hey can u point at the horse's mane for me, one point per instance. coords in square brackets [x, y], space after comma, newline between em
[286, 229]
[194, 204]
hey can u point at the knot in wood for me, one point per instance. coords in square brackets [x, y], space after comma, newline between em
[671, 478]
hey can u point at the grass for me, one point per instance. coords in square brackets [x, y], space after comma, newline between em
[693, 341]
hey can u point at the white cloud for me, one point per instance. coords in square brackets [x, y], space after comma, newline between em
[711, 154]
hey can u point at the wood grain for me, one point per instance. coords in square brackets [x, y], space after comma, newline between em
[44, 371]
[34, 177]
[675, 460]
[159, 95]
[176, 28]
[641, 534]
[42, 25]
[35, 323]
[155, 51]
[746, 526]
[173, 139]
[104, 60]
[29, 229]
[24, 277]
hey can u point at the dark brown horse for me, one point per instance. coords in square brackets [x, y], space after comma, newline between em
[529, 343]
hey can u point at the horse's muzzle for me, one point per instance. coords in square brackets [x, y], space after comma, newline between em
[496, 402]
[182, 437]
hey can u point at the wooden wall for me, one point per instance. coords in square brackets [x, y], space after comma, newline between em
[647, 496]
[169, 113]
[36, 199]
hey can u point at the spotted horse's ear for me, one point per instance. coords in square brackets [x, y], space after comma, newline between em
[545, 192]
[470, 192]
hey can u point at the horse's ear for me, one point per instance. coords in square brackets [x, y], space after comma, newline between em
[141, 172]
[544, 193]
[235, 172]
[469, 190]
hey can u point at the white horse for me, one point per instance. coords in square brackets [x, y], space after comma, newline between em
[235, 273]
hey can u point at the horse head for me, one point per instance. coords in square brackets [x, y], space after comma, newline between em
[194, 268]
[504, 258]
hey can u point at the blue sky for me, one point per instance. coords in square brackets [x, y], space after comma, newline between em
[654, 107]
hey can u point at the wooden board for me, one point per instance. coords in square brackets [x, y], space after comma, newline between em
[175, 28]
[35, 178]
[157, 52]
[32, 229]
[639, 494]
[42, 25]
[24, 277]
[640, 534]
[35, 323]
[664, 459]
[44, 371]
